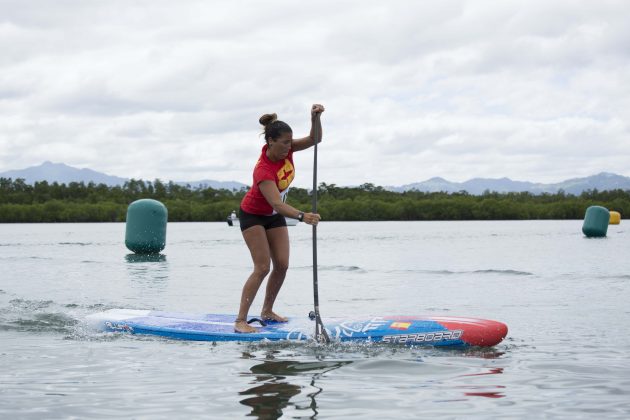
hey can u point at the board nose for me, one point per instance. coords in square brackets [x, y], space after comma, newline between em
[479, 332]
[492, 334]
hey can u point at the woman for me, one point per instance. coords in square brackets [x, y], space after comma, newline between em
[263, 210]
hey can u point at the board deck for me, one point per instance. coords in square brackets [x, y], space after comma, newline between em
[410, 330]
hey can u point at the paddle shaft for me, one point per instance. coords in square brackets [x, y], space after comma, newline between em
[320, 332]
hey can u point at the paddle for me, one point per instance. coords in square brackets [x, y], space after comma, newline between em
[320, 332]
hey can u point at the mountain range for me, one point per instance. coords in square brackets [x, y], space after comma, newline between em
[64, 174]
[602, 182]
[61, 173]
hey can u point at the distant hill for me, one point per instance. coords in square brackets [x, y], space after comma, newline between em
[64, 174]
[61, 173]
[476, 186]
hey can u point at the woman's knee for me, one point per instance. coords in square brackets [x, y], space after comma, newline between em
[281, 266]
[262, 269]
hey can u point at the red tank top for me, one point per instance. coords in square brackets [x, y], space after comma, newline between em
[281, 172]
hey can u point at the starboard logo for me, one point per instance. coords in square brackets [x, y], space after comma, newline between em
[348, 328]
[118, 327]
[345, 329]
[432, 337]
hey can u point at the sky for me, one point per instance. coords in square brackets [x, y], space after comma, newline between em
[535, 91]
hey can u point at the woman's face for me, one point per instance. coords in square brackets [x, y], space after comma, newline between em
[281, 146]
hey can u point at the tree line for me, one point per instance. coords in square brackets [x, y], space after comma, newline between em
[79, 202]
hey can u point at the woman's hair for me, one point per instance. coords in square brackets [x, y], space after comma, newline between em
[273, 127]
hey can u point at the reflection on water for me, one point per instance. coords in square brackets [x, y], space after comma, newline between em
[476, 352]
[281, 387]
[493, 371]
[148, 270]
[272, 391]
[495, 391]
[269, 399]
[485, 394]
[138, 258]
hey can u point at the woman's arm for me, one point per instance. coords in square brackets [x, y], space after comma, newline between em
[271, 193]
[316, 123]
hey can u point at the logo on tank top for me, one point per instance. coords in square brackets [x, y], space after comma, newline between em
[285, 175]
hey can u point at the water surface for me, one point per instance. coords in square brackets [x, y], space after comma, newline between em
[563, 296]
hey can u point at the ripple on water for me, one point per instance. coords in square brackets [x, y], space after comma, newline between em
[39, 323]
[566, 355]
[446, 272]
[44, 316]
[352, 268]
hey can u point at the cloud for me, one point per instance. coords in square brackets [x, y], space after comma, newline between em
[458, 89]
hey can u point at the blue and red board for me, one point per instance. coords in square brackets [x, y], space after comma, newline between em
[409, 330]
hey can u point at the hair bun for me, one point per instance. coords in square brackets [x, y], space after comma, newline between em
[268, 119]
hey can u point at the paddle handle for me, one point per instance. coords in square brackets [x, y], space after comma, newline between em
[320, 332]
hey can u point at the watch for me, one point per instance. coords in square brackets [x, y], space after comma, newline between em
[300, 216]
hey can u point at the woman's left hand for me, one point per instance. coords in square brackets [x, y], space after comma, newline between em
[312, 218]
[316, 109]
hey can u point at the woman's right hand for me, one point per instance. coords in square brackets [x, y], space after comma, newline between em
[316, 110]
[312, 218]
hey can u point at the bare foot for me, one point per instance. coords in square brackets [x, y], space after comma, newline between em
[273, 317]
[243, 327]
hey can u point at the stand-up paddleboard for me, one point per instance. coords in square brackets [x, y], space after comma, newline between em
[411, 330]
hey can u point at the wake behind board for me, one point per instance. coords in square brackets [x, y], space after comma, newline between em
[411, 330]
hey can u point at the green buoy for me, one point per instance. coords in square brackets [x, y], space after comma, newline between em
[146, 226]
[596, 222]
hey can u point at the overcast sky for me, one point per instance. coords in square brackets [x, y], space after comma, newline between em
[531, 90]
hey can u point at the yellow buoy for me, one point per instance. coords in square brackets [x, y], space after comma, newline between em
[615, 218]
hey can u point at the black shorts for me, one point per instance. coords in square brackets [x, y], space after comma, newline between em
[248, 220]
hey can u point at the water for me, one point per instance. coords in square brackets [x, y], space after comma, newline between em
[563, 296]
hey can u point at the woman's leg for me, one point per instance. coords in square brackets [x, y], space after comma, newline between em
[278, 239]
[256, 241]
